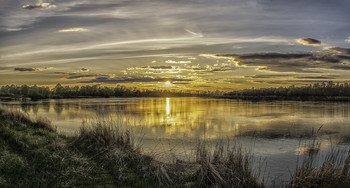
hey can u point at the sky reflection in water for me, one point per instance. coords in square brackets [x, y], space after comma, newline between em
[174, 125]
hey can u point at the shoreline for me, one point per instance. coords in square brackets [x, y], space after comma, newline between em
[34, 154]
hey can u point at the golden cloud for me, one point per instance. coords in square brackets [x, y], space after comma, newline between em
[309, 42]
[42, 5]
[75, 29]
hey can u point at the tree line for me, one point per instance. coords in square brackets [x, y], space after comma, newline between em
[318, 91]
[59, 91]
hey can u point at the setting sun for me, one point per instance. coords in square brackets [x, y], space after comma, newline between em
[168, 83]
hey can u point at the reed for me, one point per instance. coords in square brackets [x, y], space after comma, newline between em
[333, 171]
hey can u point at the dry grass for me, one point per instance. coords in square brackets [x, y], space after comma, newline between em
[333, 171]
[224, 167]
[20, 117]
[113, 146]
[103, 134]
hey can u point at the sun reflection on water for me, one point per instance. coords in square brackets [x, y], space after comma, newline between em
[167, 106]
[190, 117]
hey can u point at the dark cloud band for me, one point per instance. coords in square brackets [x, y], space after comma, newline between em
[132, 80]
[300, 63]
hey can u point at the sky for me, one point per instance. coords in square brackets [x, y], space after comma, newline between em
[174, 44]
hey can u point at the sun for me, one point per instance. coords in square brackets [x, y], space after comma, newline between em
[168, 83]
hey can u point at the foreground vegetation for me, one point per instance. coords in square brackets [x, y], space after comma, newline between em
[33, 154]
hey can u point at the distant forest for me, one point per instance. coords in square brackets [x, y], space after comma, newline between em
[328, 91]
[59, 91]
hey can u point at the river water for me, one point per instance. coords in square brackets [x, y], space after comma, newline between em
[275, 133]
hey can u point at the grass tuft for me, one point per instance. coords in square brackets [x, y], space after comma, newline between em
[224, 167]
[103, 135]
[333, 171]
[16, 116]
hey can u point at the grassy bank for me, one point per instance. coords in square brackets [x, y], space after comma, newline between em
[33, 154]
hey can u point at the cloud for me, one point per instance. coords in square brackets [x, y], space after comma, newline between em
[158, 67]
[264, 76]
[340, 50]
[348, 39]
[200, 35]
[318, 77]
[177, 62]
[268, 76]
[280, 82]
[41, 5]
[80, 76]
[105, 79]
[273, 56]
[309, 42]
[181, 69]
[25, 69]
[22, 69]
[301, 63]
[75, 29]
[74, 75]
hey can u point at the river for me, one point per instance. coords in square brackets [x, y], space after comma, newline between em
[275, 133]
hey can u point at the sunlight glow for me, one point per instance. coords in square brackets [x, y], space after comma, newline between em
[168, 83]
[167, 106]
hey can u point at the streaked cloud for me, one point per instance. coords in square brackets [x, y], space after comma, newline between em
[41, 5]
[75, 29]
[29, 69]
[25, 69]
[77, 76]
[269, 76]
[181, 69]
[132, 80]
[129, 38]
[177, 62]
[309, 42]
[345, 51]
[194, 34]
[299, 63]
[283, 76]
[325, 77]
[288, 82]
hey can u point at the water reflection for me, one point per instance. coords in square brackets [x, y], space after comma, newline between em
[176, 123]
[167, 106]
[197, 117]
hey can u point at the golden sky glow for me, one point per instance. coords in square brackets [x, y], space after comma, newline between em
[199, 45]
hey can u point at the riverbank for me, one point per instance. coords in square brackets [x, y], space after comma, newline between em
[287, 98]
[33, 154]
